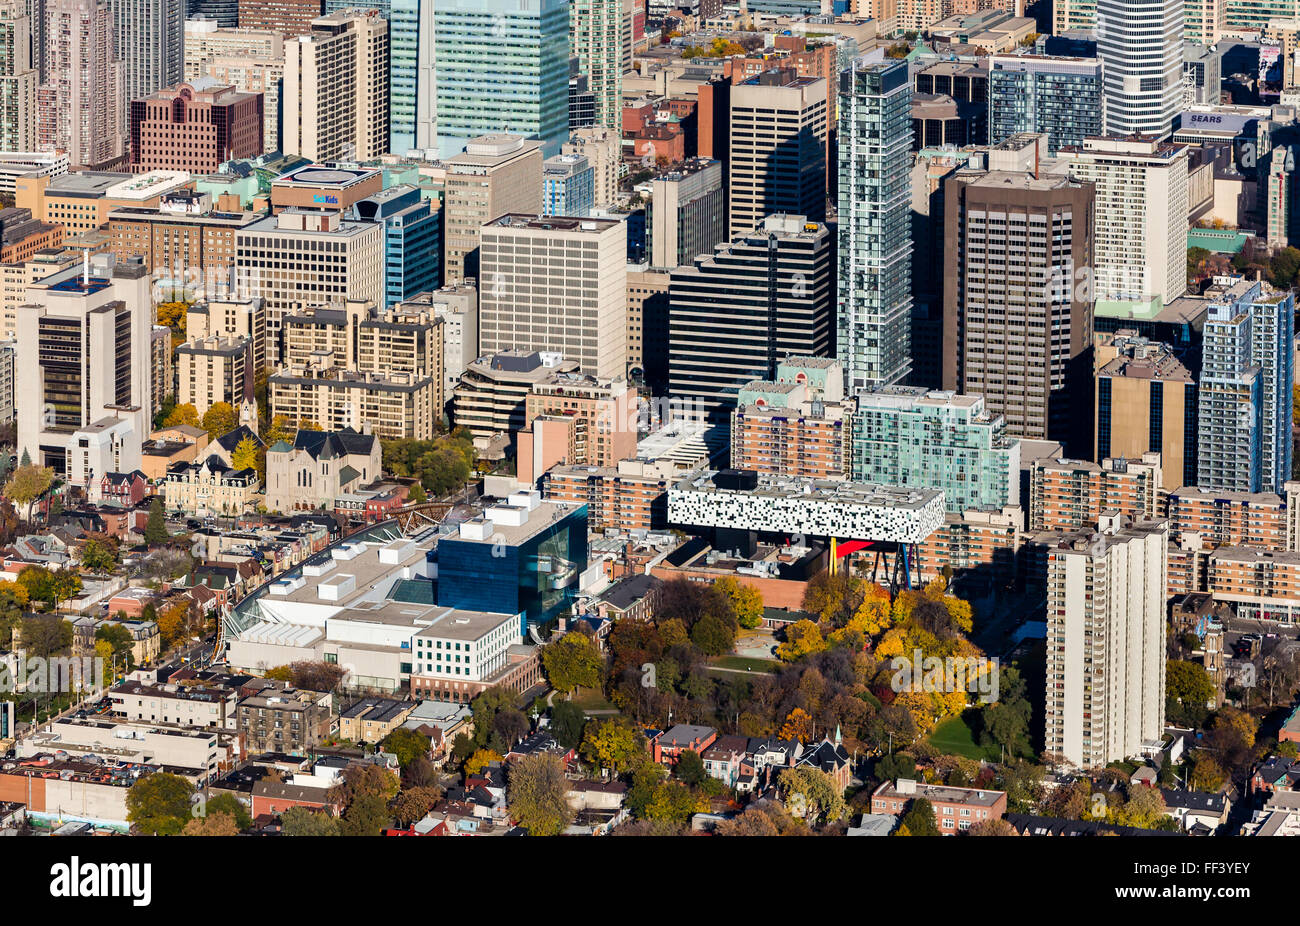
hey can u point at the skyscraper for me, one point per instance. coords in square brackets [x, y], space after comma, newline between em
[1247, 376]
[1016, 326]
[150, 44]
[1105, 692]
[875, 243]
[18, 79]
[335, 93]
[735, 314]
[596, 40]
[778, 128]
[502, 66]
[1036, 93]
[288, 17]
[411, 75]
[1140, 44]
[688, 213]
[81, 108]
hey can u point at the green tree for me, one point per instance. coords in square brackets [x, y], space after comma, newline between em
[155, 529]
[220, 418]
[159, 804]
[567, 721]
[536, 790]
[99, 555]
[416, 495]
[299, 821]
[229, 804]
[572, 662]
[674, 803]
[712, 636]
[919, 819]
[812, 794]
[122, 642]
[406, 744]
[1189, 692]
[690, 767]
[46, 635]
[614, 743]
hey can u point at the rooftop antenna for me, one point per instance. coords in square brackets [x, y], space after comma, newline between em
[85, 266]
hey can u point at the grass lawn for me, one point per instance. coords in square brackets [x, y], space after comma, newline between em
[590, 699]
[953, 737]
[748, 663]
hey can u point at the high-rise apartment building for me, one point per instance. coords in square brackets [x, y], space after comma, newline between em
[251, 60]
[557, 285]
[411, 76]
[1106, 641]
[456, 306]
[335, 92]
[214, 369]
[1140, 44]
[568, 186]
[1034, 93]
[18, 79]
[81, 105]
[1145, 401]
[308, 257]
[502, 66]
[688, 213]
[603, 150]
[361, 336]
[150, 44]
[1016, 327]
[1067, 495]
[290, 18]
[797, 424]
[1140, 210]
[779, 123]
[1247, 376]
[596, 40]
[1073, 14]
[909, 436]
[496, 175]
[875, 243]
[84, 359]
[195, 126]
[757, 299]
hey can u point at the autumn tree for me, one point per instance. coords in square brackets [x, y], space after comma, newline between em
[480, 760]
[614, 743]
[183, 414]
[745, 601]
[99, 555]
[798, 726]
[213, 824]
[537, 792]
[229, 804]
[220, 418]
[801, 639]
[27, 484]
[415, 803]
[159, 804]
[244, 455]
[812, 794]
[572, 662]
[299, 821]
[992, 827]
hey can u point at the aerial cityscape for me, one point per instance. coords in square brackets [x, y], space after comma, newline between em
[670, 419]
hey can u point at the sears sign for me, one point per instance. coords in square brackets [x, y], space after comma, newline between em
[1216, 122]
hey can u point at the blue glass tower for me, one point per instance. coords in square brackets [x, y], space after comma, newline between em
[412, 241]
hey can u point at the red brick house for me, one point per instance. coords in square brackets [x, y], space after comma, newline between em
[122, 490]
[669, 745]
[274, 798]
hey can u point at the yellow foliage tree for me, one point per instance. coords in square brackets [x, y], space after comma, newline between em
[798, 726]
[801, 638]
[185, 414]
[480, 760]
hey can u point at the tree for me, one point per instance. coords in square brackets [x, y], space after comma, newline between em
[213, 824]
[572, 662]
[299, 821]
[745, 600]
[812, 794]
[244, 455]
[536, 790]
[614, 743]
[1189, 692]
[480, 760]
[919, 819]
[994, 827]
[229, 804]
[406, 744]
[120, 639]
[27, 484]
[367, 815]
[801, 639]
[673, 803]
[172, 315]
[184, 414]
[315, 675]
[46, 635]
[414, 803]
[280, 674]
[155, 529]
[798, 726]
[220, 418]
[690, 767]
[159, 804]
[567, 721]
[712, 636]
[99, 555]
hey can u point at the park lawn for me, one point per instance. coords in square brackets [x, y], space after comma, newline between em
[954, 737]
[747, 663]
[591, 699]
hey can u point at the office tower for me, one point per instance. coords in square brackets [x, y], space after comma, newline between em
[596, 40]
[214, 369]
[778, 124]
[251, 60]
[502, 66]
[150, 44]
[647, 326]
[335, 92]
[568, 186]
[496, 175]
[195, 126]
[412, 242]
[1073, 14]
[909, 436]
[1016, 325]
[411, 76]
[582, 102]
[80, 105]
[308, 257]
[1140, 44]
[456, 306]
[1203, 71]
[1145, 401]
[556, 285]
[225, 13]
[688, 214]
[1106, 641]
[1140, 251]
[603, 149]
[290, 18]
[83, 357]
[1247, 376]
[1057, 96]
[18, 80]
[875, 244]
[736, 313]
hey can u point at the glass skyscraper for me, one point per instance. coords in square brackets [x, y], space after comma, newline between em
[412, 241]
[1059, 96]
[502, 67]
[875, 235]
